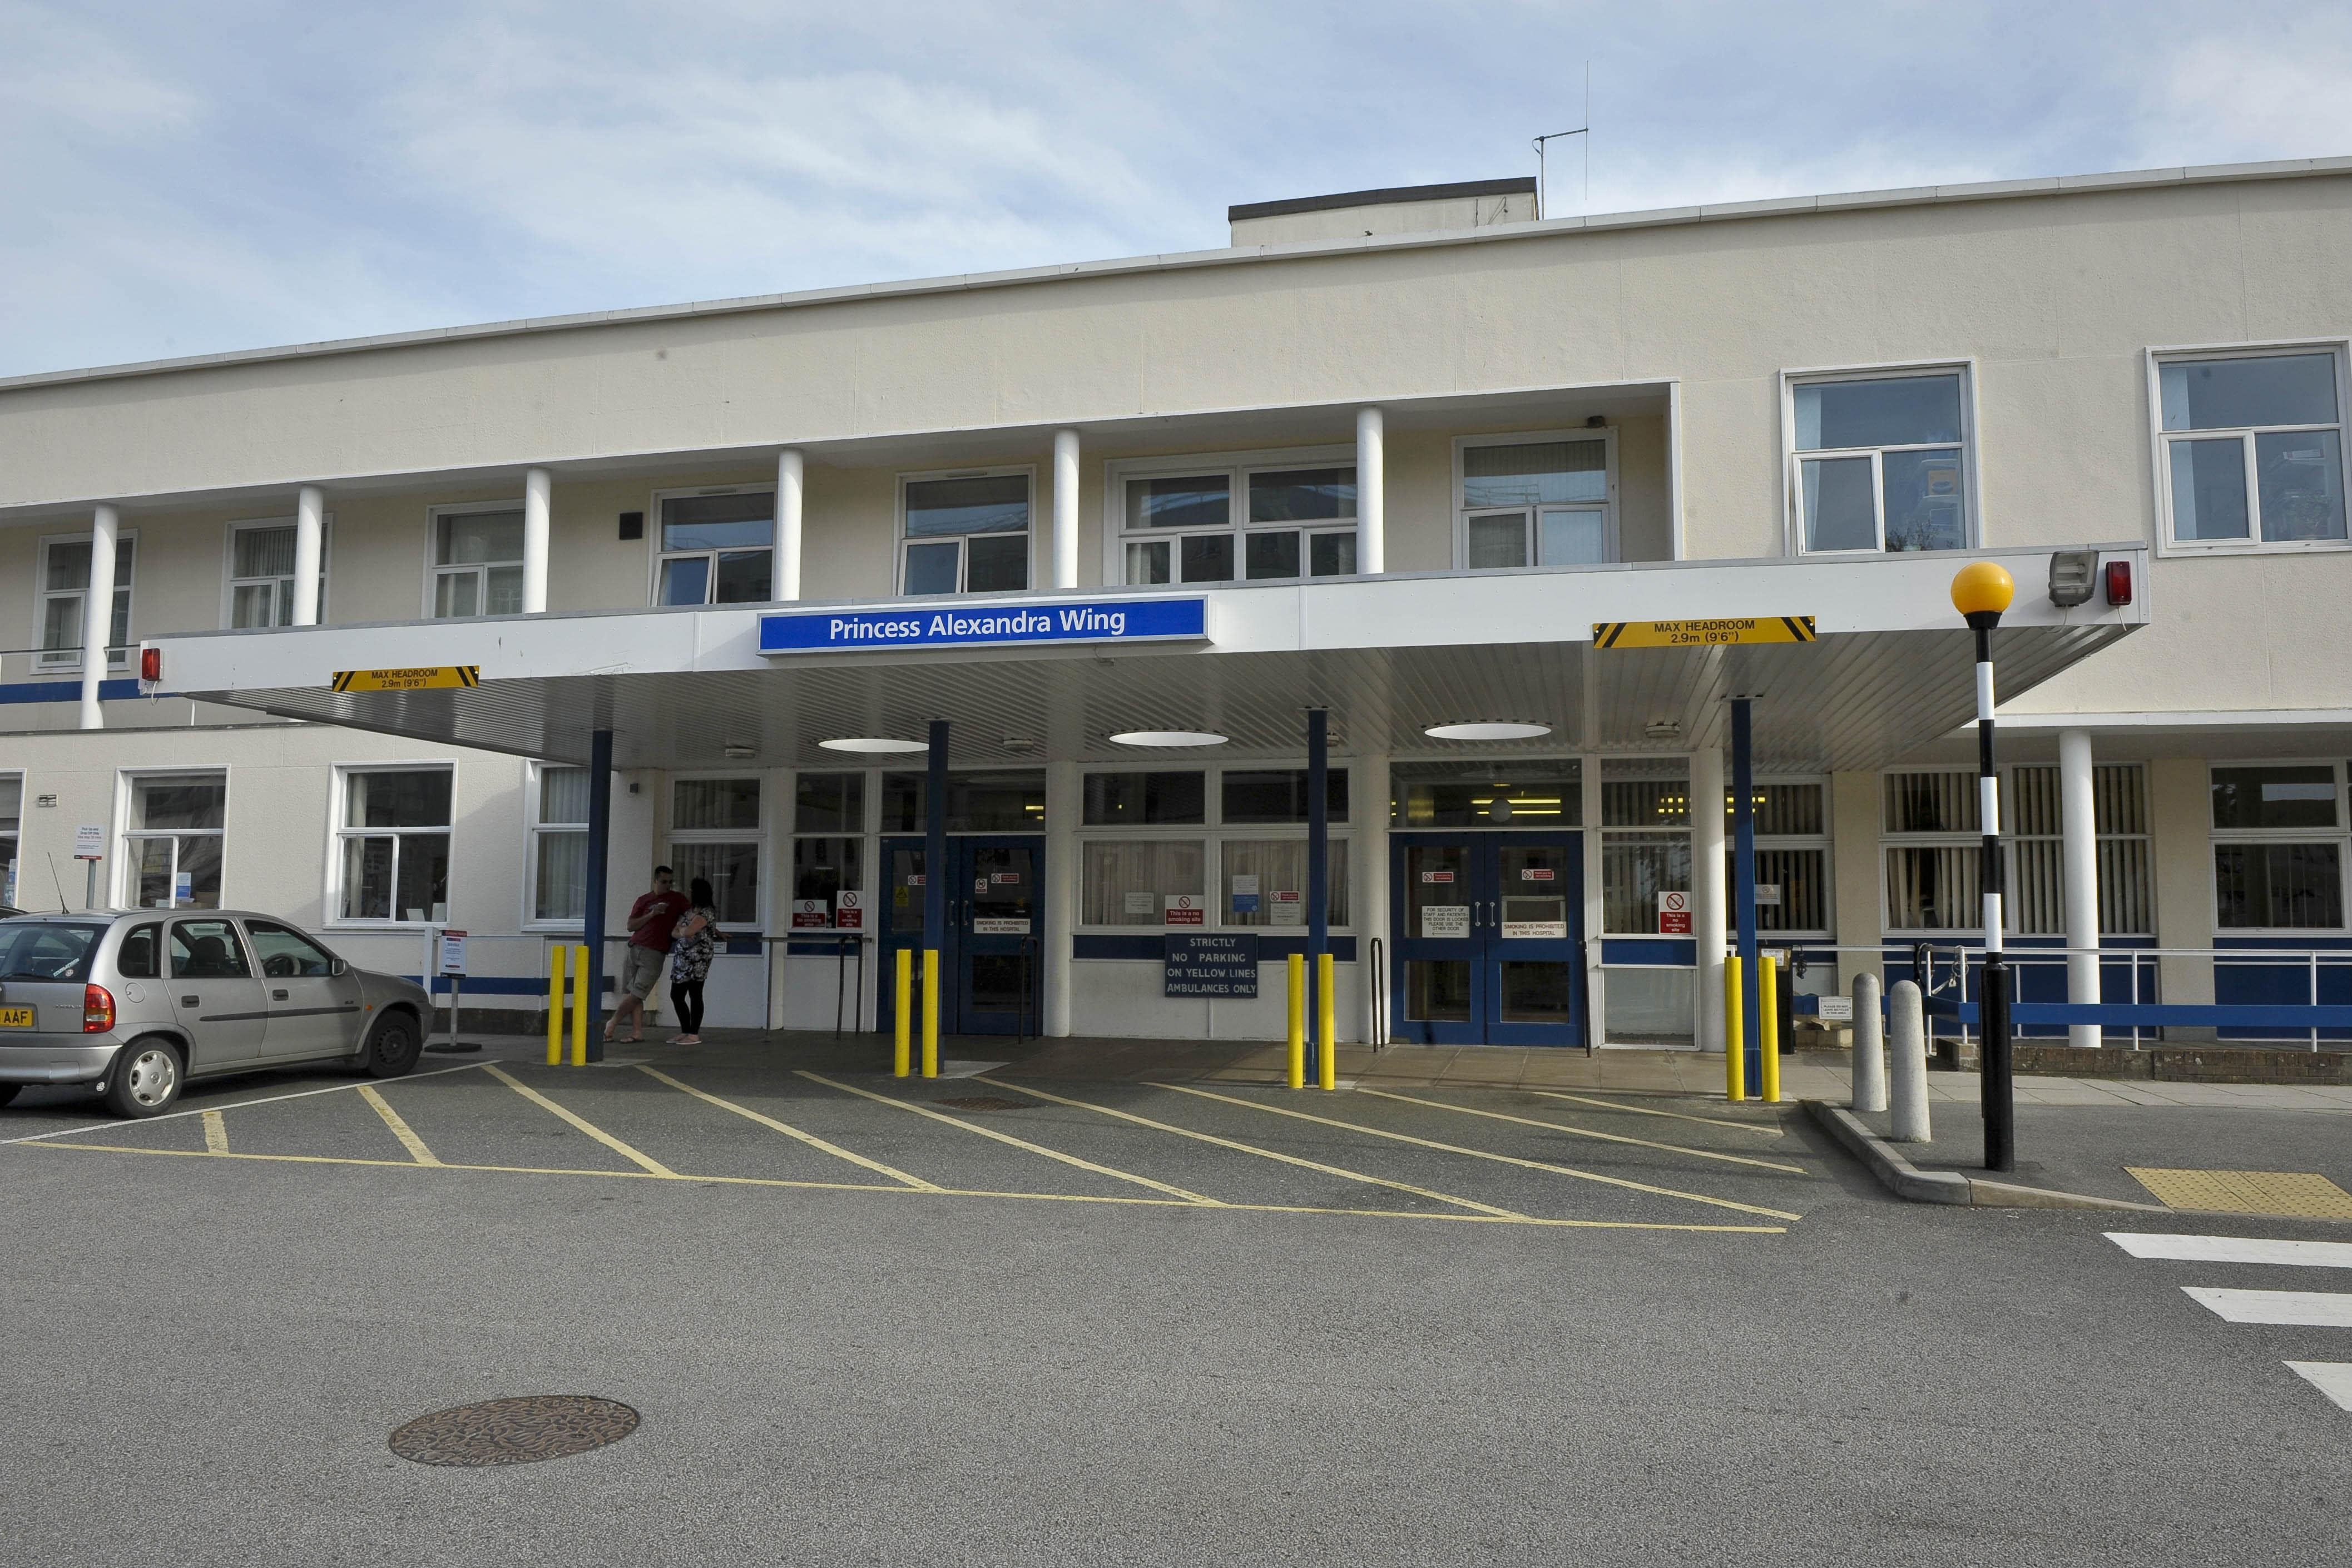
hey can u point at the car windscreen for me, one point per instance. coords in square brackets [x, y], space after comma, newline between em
[46, 950]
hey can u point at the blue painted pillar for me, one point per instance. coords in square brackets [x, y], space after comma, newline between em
[1318, 876]
[935, 847]
[1743, 895]
[600, 856]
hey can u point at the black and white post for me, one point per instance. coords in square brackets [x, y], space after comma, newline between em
[1980, 592]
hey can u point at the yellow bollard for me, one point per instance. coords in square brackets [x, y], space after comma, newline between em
[1326, 1053]
[1735, 1033]
[930, 1012]
[1767, 1003]
[555, 958]
[580, 1007]
[906, 1020]
[1297, 974]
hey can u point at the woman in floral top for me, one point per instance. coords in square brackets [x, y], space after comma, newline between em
[690, 947]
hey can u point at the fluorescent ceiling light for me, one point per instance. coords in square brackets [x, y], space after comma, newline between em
[1495, 731]
[874, 743]
[1166, 738]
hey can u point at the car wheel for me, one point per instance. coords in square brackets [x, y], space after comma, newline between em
[9, 1092]
[145, 1080]
[393, 1049]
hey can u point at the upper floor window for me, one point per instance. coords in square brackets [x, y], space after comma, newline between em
[65, 587]
[2251, 448]
[1537, 502]
[261, 574]
[1227, 522]
[1880, 461]
[718, 549]
[476, 561]
[968, 534]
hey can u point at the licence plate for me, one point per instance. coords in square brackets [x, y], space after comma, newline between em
[16, 1017]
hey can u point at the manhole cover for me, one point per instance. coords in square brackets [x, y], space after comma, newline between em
[515, 1431]
[990, 1103]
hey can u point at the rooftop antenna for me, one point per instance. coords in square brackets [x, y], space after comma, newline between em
[1543, 190]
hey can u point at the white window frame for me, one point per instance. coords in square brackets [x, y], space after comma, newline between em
[1236, 469]
[2013, 839]
[961, 542]
[656, 555]
[760, 837]
[1212, 834]
[339, 830]
[1792, 507]
[121, 885]
[16, 835]
[1606, 833]
[67, 661]
[2340, 835]
[1823, 841]
[2010, 840]
[533, 831]
[2161, 440]
[434, 570]
[1606, 434]
[231, 582]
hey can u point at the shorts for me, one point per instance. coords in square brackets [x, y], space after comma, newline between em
[642, 970]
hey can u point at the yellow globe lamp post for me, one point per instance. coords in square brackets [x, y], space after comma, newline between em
[1980, 591]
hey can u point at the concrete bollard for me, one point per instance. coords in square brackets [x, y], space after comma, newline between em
[1869, 1047]
[1906, 1031]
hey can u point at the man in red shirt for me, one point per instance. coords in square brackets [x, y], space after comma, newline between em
[651, 919]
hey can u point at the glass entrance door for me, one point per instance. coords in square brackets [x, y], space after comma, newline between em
[1487, 932]
[992, 955]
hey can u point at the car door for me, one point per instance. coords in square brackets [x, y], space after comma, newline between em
[215, 996]
[313, 1010]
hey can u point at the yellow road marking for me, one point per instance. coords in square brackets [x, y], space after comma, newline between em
[1017, 1143]
[594, 1131]
[1528, 1220]
[1768, 1129]
[215, 1134]
[233, 1105]
[1489, 1154]
[1253, 1149]
[1589, 1133]
[811, 1139]
[400, 1129]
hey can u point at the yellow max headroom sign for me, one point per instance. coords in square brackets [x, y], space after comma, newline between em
[437, 677]
[1726, 632]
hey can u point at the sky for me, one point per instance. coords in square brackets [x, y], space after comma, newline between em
[189, 176]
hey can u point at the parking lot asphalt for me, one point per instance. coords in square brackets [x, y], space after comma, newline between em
[1096, 1322]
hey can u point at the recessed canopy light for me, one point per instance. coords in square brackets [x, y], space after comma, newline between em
[1499, 730]
[740, 751]
[1166, 738]
[874, 743]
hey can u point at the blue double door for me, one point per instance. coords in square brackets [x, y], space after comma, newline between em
[1488, 929]
[991, 954]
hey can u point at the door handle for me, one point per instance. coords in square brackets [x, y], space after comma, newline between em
[277, 995]
[187, 1001]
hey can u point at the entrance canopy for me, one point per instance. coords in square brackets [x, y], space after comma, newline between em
[1887, 671]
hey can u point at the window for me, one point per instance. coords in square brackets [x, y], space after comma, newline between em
[64, 586]
[2251, 448]
[207, 950]
[261, 574]
[1535, 794]
[394, 860]
[1646, 842]
[41, 951]
[1266, 882]
[2278, 847]
[969, 534]
[172, 840]
[1226, 520]
[828, 841]
[1130, 882]
[1278, 795]
[558, 844]
[1537, 502]
[285, 953]
[1152, 800]
[715, 835]
[1934, 850]
[717, 549]
[1792, 857]
[2034, 820]
[12, 801]
[1879, 462]
[477, 561]
[138, 958]
[991, 800]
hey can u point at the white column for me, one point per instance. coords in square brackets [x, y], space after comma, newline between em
[2079, 830]
[1066, 508]
[1063, 804]
[537, 492]
[1710, 909]
[97, 613]
[309, 528]
[791, 479]
[1367, 881]
[1596, 979]
[1372, 493]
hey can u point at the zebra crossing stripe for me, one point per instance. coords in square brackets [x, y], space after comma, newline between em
[2302, 1309]
[2234, 1249]
[2333, 1379]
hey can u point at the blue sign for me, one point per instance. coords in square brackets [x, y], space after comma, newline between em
[1200, 964]
[985, 625]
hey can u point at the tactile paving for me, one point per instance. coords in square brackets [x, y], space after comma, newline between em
[2294, 1195]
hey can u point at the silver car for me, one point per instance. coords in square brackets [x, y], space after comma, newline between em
[136, 1003]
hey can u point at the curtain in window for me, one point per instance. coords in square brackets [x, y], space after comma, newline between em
[1125, 882]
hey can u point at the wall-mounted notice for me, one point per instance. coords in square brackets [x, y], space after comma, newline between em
[1674, 915]
[849, 910]
[1183, 909]
[1202, 964]
[1444, 921]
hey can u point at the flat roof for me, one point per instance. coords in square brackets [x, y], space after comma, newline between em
[1524, 185]
[1785, 206]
